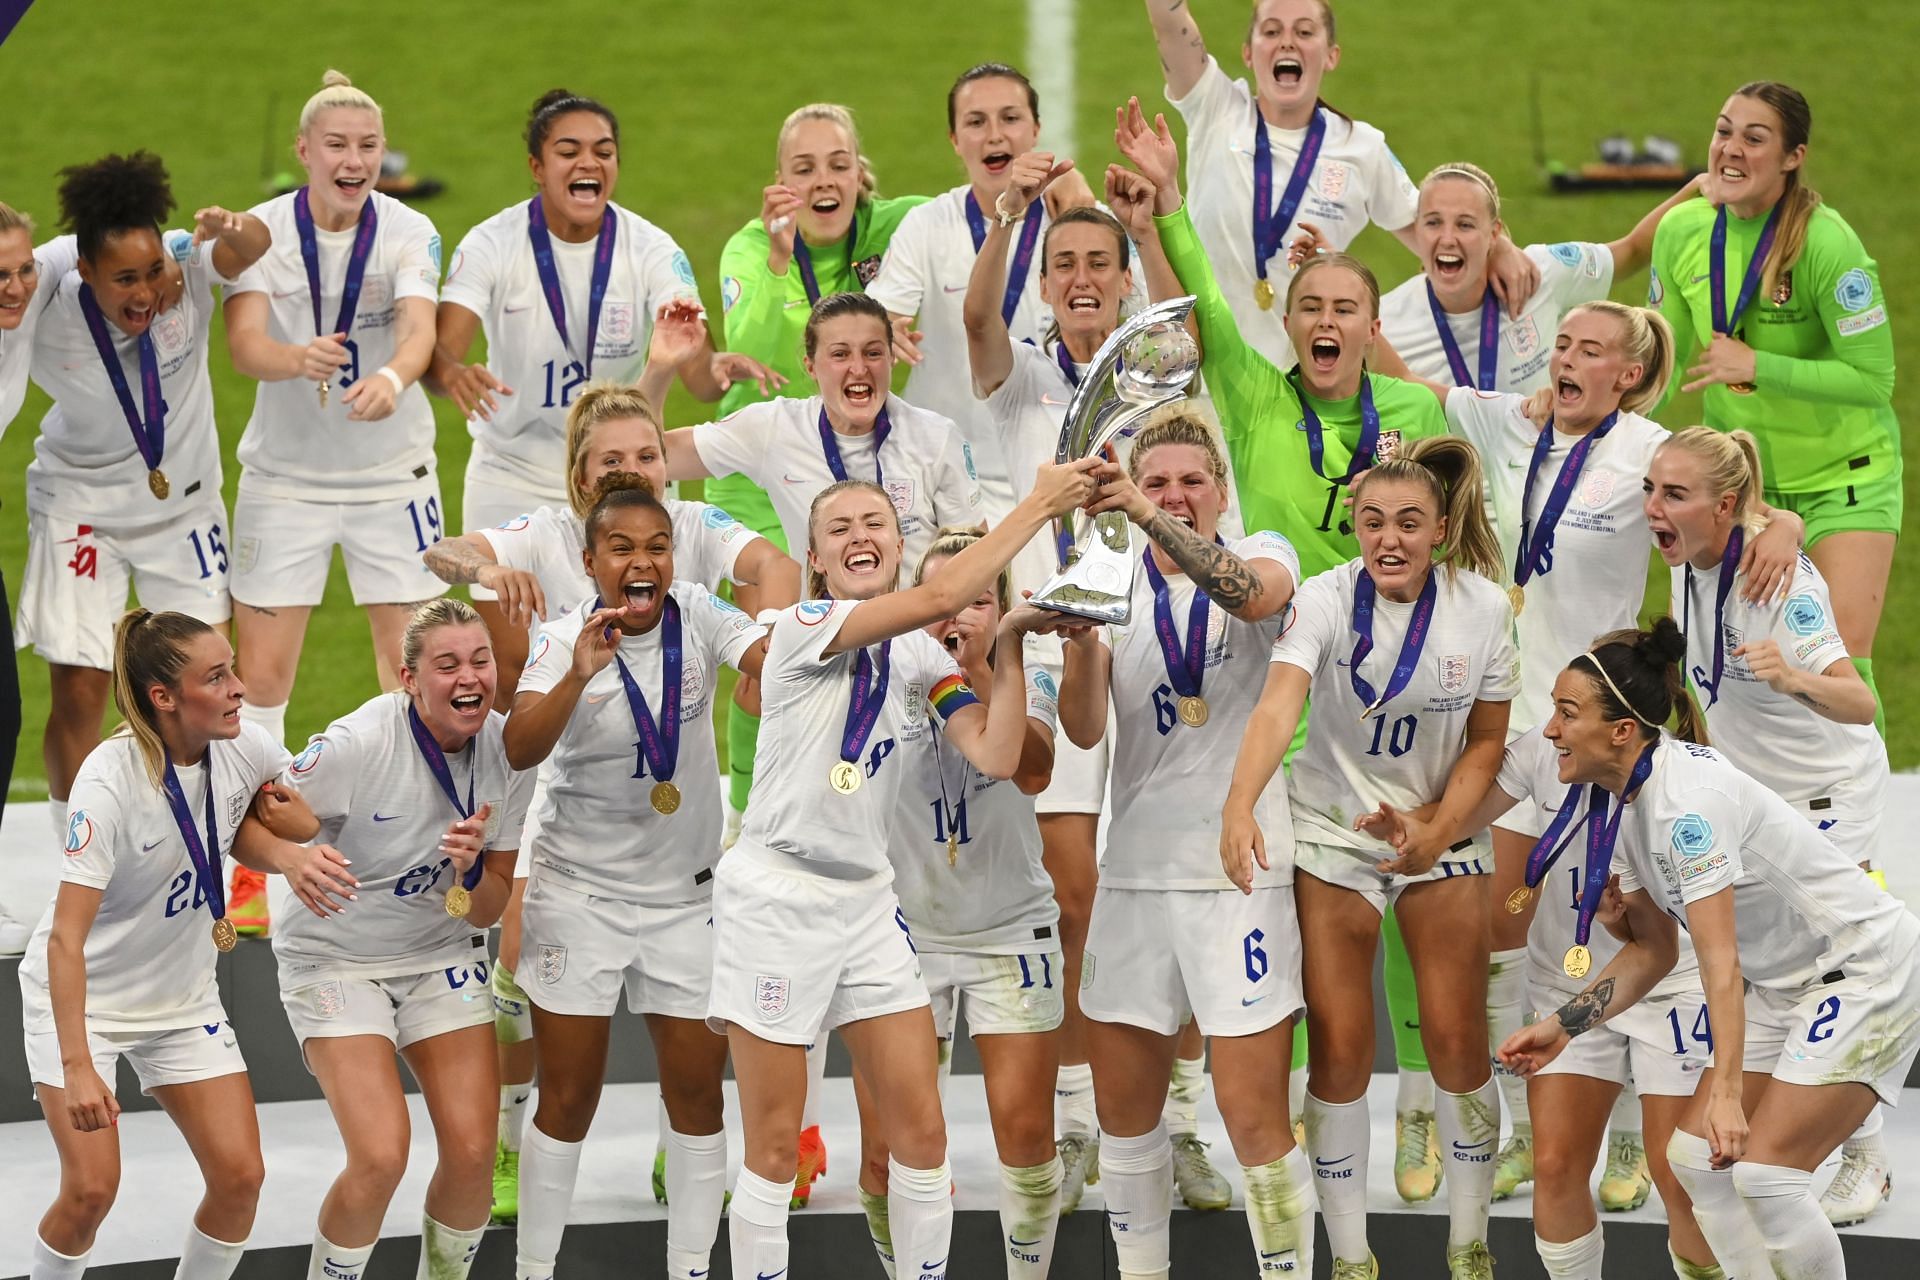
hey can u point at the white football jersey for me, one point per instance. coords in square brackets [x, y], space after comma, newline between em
[1169, 779]
[1571, 273]
[493, 275]
[379, 805]
[1405, 751]
[1784, 743]
[52, 261]
[85, 465]
[928, 264]
[995, 897]
[1027, 411]
[1356, 180]
[804, 697]
[1597, 574]
[1802, 908]
[1530, 770]
[776, 444]
[597, 830]
[550, 543]
[150, 954]
[294, 448]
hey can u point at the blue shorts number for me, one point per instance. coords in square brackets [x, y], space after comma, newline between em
[426, 522]
[212, 554]
[1702, 1030]
[1256, 955]
[1824, 1017]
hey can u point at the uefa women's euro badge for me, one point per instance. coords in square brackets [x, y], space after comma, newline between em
[1147, 362]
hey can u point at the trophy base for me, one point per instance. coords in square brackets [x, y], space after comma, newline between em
[1099, 590]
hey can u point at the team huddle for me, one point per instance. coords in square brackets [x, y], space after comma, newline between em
[1382, 679]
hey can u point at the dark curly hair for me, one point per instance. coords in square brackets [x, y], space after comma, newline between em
[553, 104]
[114, 194]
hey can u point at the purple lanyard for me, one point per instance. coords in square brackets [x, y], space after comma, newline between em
[869, 696]
[1068, 370]
[437, 765]
[1416, 640]
[1362, 457]
[831, 446]
[803, 258]
[1022, 254]
[1529, 558]
[659, 742]
[204, 856]
[1489, 341]
[1729, 565]
[149, 436]
[1603, 832]
[550, 277]
[1270, 224]
[356, 261]
[1185, 668]
[1723, 320]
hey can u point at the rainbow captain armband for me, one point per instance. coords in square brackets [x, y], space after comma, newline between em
[949, 695]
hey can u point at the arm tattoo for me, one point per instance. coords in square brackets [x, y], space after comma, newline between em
[1225, 577]
[1813, 702]
[1584, 1011]
[456, 561]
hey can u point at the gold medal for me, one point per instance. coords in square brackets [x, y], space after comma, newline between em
[1741, 388]
[1263, 294]
[459, 902]
[844, 778]
[1192, 711]
[157, 482]
[324, 384]
[225, 938]
[953, 849]
[1577, 962]
[1517, 596]
[1517, 900]
[665, 797]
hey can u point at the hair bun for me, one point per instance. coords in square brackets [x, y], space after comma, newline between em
[335, 80]
[1665, 644]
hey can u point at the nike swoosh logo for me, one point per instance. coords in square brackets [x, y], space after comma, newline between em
[771, 1275]
[953, 288]
[593, 701]
[798, 302]
[1702, 276]
[1471, 1146]
[149, 848]
[1514, 464]
[280, 294]
[1325, 1164]
[1248, 1004]
[385, 817]
[1024, 1244]
[791, 479]
[1049, 400]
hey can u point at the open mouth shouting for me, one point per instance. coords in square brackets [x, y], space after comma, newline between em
[1288, 73]
[862, 562]
[1567, 393]
[1324, 353]
[1448, 265]
[996, 162]
[640, 595]
[1084, 303]
[826, 204]
[350, 188]
[859, 394]
[585, 191]
[469, 706]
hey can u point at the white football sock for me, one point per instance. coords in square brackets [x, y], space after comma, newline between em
[696, 1189]
[1073, 1101]
[816, 1081]
[920, 1210]
[1338, 1135]
[204, 1258]
[330, 1261]
[1468, 1126]
[879, 1228]
[1800, 1241]
[1869, 1131]
[1029, 1213]
[1181, 1110]
[1723, 1217]
[1280, 1214]
[273, 719]
[1413, 1091]
[1506, 1014]
[757, 1226]
[49, 1263]
[446, 1253]
[1574, 1260]
[1137, 1175]
[548, 1170]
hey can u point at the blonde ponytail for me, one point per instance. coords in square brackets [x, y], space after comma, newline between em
[1646, 339]
[149, 648]
[1730, 463]
[1799, 201]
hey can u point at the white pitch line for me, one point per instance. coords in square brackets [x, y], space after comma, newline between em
[1050, 65]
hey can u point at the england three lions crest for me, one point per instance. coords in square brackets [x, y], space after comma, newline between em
[1455, 668]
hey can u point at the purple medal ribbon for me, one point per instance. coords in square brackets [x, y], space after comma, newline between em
[1489, 341]
[659, 741]
[1548, 848]
[204, 856]
[803, 258]
[437, 765]
[1724, 320]
[150, 434]
[1022, 253]
[1602, 831]
[1729, 564]
[356, 261]
[869, 696]
[1416, 640]
[1064, 358]
[881, 427]
[550, 276]
[1270, 224]
[1537, 540]
[1185, 668]
[1362, 457]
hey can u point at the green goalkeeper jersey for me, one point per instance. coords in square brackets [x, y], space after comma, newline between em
[1821, 407]
[1266, 437]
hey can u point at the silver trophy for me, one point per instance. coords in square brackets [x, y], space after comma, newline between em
[1146, 363]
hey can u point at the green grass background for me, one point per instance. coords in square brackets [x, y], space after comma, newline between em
[701, 89]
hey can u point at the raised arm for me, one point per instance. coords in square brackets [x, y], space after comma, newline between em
[537, 719]
[238, 239]
[989, 346]
[1183, 51]
[470, 558]
[1251, 590]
